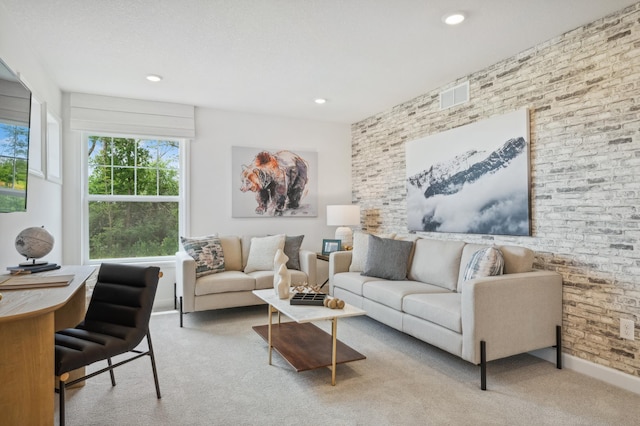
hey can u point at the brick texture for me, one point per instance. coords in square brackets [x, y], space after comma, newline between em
[583, 94]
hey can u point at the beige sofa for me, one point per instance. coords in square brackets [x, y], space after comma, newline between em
[479, 320]
[233, 287]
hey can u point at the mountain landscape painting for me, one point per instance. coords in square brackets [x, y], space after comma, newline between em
[473, 179]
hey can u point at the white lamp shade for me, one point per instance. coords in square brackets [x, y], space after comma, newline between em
[343, 216]
[346, 215]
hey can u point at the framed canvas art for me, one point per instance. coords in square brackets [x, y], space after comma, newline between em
[473, 179]
[274, 183]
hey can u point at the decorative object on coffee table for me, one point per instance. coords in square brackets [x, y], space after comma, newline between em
[315, 299]
[284, 282]
[280, 259]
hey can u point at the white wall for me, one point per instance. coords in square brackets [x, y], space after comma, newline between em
[210, 181]
[43, 197]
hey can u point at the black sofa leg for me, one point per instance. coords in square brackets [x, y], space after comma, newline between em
[559, 347]
[180, 311]
[483, 365]
[175, 296]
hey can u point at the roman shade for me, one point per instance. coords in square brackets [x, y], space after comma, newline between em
[131, 116]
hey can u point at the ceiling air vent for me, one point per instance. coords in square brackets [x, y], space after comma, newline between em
[455, 96]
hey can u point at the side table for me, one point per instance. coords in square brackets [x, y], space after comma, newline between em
[324, 261]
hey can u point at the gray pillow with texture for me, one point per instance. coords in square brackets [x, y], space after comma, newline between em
[387, 258]
[292, 249]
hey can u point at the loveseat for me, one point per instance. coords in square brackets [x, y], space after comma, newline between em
[480, 319]
[221, 272]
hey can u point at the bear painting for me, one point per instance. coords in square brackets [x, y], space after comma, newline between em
[279, 181]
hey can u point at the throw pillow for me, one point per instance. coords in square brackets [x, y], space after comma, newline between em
[485, 262]
[360, 250]
[387, 258]
[207, 252]
[292, 249]
[262, 252]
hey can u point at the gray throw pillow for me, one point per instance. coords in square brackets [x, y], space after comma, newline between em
[387, 258]
[292, 249]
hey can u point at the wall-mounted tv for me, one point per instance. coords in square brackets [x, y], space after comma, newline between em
[15, 113]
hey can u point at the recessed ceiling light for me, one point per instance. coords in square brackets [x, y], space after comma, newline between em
[453, 18]
[154, 77]
[320, 101]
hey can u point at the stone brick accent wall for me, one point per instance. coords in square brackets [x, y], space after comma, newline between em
[583, 94]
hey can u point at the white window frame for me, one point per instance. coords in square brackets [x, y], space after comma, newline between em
[86, 197]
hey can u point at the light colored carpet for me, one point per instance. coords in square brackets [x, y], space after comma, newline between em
[215, 372]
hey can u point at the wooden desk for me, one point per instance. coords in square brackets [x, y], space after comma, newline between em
[28, 319]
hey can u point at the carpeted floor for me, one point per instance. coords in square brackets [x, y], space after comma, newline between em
[215, 372]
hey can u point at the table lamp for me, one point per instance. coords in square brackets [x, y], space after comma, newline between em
[343, 217]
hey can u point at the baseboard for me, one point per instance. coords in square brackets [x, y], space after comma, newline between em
[588, 368]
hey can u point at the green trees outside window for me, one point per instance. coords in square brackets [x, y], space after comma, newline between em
[133, 196]
[14, 151]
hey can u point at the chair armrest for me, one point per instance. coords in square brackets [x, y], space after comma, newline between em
[186, 280]
[308, 266]
[513, 313]
[339, 261]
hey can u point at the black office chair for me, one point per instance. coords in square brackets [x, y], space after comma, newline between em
[115, 323]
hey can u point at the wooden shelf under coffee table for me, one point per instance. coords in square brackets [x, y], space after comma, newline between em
[303, 345]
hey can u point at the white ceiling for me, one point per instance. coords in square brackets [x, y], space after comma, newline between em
[276, 56]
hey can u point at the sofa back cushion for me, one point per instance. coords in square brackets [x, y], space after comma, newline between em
[516, 259]
[436, 262]
[232, 253]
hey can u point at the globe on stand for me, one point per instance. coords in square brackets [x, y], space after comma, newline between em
[34, 243]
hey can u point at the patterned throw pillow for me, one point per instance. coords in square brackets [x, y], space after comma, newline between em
[207, 252]
[485, 262]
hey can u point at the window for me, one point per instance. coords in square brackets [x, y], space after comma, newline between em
[133, 197]
[14, 142]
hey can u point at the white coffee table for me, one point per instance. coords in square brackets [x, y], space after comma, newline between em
[303, 345]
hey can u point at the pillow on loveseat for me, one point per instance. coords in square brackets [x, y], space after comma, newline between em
[485, 262]
[292, 249]
[387, 258]
[262, 252]
[207, 252]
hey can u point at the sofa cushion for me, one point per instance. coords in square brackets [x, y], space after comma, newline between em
[292, 247]
[387, 258]
[207, 252]
[351, 281]
[232, 253]
[360, 249]
[485, 262]
[391, 293]
[436, 262]
[443, 309]
[264, 279]
[224, 282]
[262, 252]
